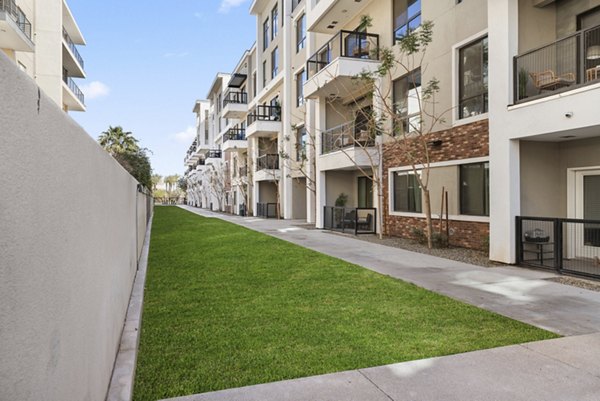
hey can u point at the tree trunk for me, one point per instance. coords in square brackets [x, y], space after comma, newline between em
[428, 218]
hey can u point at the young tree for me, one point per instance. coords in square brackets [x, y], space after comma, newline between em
[404, 127]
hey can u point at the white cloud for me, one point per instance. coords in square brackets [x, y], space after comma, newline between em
[95, 89]
[227, 5]
[185, 137]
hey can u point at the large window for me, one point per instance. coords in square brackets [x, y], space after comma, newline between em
[407, 17]
[264, 74]
[301, 141]
[473, 79]
[274, 62]
[266, 34]
[274, 22]
[475, 189]
[300, 88]
[365, 192]
[407, 103]
[300, 33]
[407, 193]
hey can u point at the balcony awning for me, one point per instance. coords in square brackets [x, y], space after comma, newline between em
[237, 80]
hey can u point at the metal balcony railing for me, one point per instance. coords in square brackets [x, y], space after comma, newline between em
[559, 66]
[267, 210]
[74, 88]
[264, 113]
[15, 12]
[73, 48]
[213, 154]
[267, 162]
[235, 134]
[243, 171]
[344, 136]
[237, 97]
[352, 44]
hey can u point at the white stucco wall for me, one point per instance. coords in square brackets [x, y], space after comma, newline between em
[67, 250]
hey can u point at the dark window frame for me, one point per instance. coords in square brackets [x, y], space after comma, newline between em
[410, 20]
[483, 95]
[414, 203]
[485, 167]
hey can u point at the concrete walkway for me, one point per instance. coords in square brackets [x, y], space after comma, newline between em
[562, 369]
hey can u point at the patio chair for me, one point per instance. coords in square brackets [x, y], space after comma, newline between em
[365, 223]
[350, 219]
[549, 81]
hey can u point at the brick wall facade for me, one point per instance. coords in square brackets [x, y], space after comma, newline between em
[463, 142]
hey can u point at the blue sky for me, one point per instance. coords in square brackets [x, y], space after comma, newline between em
[148, 61]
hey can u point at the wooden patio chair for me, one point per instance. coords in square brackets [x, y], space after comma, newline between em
[549, 81]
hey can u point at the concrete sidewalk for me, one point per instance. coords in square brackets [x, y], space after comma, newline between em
[563, 369]
[519, 293]
[566, 369]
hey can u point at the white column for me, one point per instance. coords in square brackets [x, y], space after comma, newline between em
[287, 103]
[505, 194]
[321, 180]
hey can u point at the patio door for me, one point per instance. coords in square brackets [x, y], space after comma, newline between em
[587, 207]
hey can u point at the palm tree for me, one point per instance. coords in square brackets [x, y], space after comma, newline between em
[156, 179]
[115, 140]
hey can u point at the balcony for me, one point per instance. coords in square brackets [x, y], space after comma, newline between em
[72, 60]
[234, 140]
[15, 28]
[564, 65]
[73, 97]
[333, 68]
[213, 155]
[235, 104]
[348, 146]
[267, 168]
[352, 220]
[264, 121]
[327, 14]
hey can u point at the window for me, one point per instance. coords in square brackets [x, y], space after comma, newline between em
[301, 33]
[300, 89]
[407, 17]
[274, 62]
[475, 189]
[407, 193]
[301, 140]
[365, 192]
[253, 84]
[264, 74]
[266, 34]
[206, 126]
[407, 103]
[473, 79]
[274, 22]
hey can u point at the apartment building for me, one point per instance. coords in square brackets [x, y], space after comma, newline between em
[545, 133]
[41, 37]
[241, 90]
[510, 132]
[276, 114]
[195, 159]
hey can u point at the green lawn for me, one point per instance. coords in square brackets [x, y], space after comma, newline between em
[228, 307]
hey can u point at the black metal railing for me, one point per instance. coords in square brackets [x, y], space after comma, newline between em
[267, 210]
[73, 47]
[237, 97]
[17, 15]
[201, 162]
[346, 136]
[243, 171]
[566, 245]
[358, 220]
[235, 134]
[214, 154]
[74, 88]
[353, 44]
[267, 162]
[264, 113]
[562, 65]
